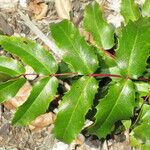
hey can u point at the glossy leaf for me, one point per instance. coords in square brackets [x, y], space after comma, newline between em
[108, 64]
[10, 67]
[9, 89]
[75, 51]
[134, 48]
[117, 105]
[75, 105]
[31, 53]
[129, 10]
[37, 103]
[141, 133]
[94, 22]
[4, 77]
[146, 8]
[145, 114]
[143, 88]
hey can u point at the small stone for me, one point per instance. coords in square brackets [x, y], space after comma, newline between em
[80, 139]
[4, 130]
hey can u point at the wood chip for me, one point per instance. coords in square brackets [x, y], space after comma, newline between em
[63, 8]
[20, 98]
[42, 121]
[38, 8]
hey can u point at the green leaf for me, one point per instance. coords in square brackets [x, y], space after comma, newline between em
[31, 53]
[10, 67]
[141, 133]
[117, 105]
[94, 22]
[134, 48]
[146, 8]
[42, 94]
[129, 10]
[4, 77]
[74, 49]
[143, 88]
[108, 64]
[145, 113]
[9, 89]
[75, 105]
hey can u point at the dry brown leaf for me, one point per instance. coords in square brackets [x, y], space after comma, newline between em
[63, 8]
[38, 8]
[20, 97]
[43, 12]
[42, 121]
[88, 37]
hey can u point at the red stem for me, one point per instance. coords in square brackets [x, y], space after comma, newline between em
[90, 75]
[104, 75]
[64, 74]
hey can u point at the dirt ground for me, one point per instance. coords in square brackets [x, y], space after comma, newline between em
[22, 138]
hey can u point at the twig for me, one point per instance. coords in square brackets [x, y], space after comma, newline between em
[53, 47]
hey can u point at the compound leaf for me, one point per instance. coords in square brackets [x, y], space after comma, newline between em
[31, 53]
[129, 10]
[146, 8]
[10, 67]
[9, 89]
[75, 105]
[102, 32]
[134, 48]
[74, 49]
[42, 94]
[117, 105]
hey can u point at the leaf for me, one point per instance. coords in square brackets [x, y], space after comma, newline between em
[31, 53]
[9, 89]
[74, 49]
[63, 8]
[146, 8]
[19, 98]
[134, 48]
[42, 94]
[10, 67]
[142, 88]
[42, 121]
[145, 114]
[129, 10]
[75, 105]
[141, 133]
[94, 23]
[4, 77]
[108, 64]
[117, 105]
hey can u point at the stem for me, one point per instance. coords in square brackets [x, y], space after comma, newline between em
[64, 74]
[138, 117]
[90, 75]
[144, 79]
[105, 75]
